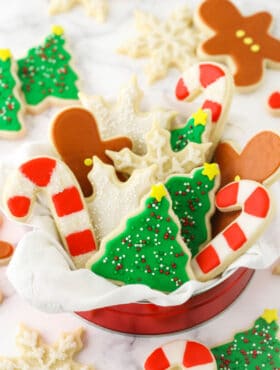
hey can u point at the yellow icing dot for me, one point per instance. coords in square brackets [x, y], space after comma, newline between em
[210, 170]
[158, 191]
[237, 178]
[5, 54]
[255, 48]
[88, 162]
[57, 30]
[240, 33]
[248, 40]
[200, 117]
[270, 315]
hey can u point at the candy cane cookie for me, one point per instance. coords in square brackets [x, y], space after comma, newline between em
[186, 354]
[65, 200]
[216, 84]
[238, 236]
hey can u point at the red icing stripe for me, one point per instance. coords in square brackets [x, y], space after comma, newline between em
[181, 91]
[209, 73]
[39, 170]
[19, 205]
[80, 242]
[227, 196]
[274, 100]
[68, 201]
[208, 259]
[196, 354]
[258, 203]
[157, 361]
[216, 109]
[234, 236]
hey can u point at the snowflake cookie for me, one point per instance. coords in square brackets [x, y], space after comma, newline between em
[95, 8]
[124, 118]
[170, 43]
[35, 354]
[160, 153]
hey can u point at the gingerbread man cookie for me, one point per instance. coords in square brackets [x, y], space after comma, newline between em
[6, 252]
[263, 149]
[75, 136]
[35, 354]
[244, 42]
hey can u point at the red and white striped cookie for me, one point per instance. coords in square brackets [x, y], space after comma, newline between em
[65, 198]
[187, 354]
[220, 252]
[215, 82]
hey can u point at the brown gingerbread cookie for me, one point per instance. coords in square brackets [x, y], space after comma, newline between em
[259, 161]
[76, 138]
[6, 252]
[243, 42]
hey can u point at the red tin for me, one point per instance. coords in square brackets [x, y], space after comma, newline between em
[147, 318]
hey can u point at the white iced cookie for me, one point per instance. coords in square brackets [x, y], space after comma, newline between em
[160, 153]
[183, 354]
[124, 117]
[95, 8]
[114, 199]
[35, 354]
[169, 43]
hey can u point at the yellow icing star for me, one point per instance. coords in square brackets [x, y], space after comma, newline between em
[5, 54]
[237, 178]
[158, 191]
[210, 170]
[200, 117]
[270, 315]
[57, 30]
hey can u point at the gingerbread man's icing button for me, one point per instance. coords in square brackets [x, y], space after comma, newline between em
[243, 42]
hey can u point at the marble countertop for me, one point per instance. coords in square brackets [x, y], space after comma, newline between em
[102, 71]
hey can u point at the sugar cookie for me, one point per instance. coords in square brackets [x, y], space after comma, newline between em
[186, 354]
[255, 348]
[215, 83]
[192, 201]
[146, 249]
[220, 252]
[273, 103]
[197, 130]
[264, 149]
[160, 153]
[65, 201]
[114, 199]
[244, 42]
[75, 136]
[11, 104]
[6, 252]
[170, 43]
[35, 354]
[124, 117]
[46, 74]
[98, 9]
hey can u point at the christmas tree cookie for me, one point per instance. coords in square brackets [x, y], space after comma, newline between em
[11, 106]
[147, 249]
[253, 349]
[193, 203]
[196, 130]
[47, 75]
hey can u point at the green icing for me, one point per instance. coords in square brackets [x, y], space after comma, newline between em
[191, 202]
[180, 137]
[9, 104]
[146, 251]
[254, 349]
[45, 71]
